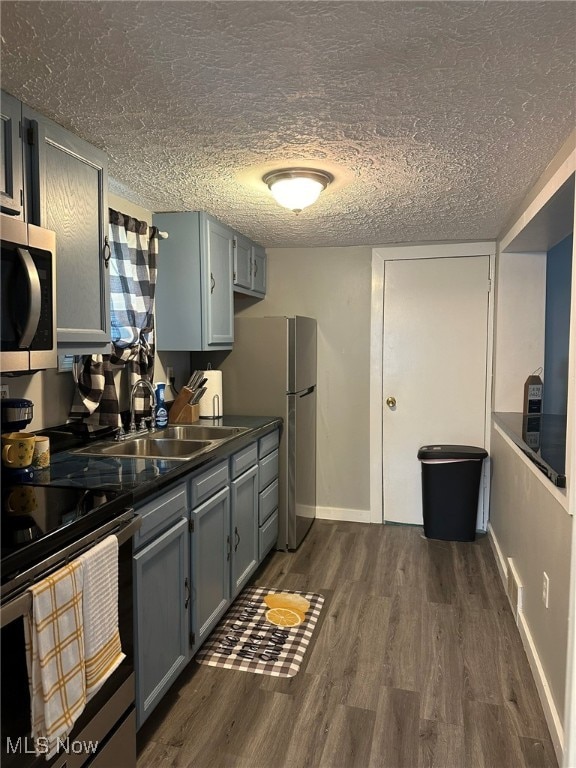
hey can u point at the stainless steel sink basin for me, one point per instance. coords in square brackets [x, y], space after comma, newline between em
[150, 448]
[201, 432]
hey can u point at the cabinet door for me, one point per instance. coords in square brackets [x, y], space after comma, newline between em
[11, 191]
[69, 184]
[217, 266]
[242, 262]
[258, 269]
[210, 564]
[161, 616]
[244, 528]
[178, 289]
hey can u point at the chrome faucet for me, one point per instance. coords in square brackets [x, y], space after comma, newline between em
[152, 417]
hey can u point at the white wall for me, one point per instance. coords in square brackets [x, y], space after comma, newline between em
[519, 325]
[533, 528]
[334, 286]
[530, 520]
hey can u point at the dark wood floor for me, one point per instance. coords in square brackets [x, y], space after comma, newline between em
[416, 662]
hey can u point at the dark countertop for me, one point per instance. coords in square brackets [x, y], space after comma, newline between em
[541, 437]
[140, 477]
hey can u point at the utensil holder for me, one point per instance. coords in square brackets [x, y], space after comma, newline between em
[186, 415]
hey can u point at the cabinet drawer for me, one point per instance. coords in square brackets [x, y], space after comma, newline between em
[242, 460]
[268, 469]
[267, 502]
[157, 515]
[267, 443]
[121, 747]
[268, 533]
[209, 482]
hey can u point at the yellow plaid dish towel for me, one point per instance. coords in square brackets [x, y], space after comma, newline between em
[55, 654]
[102, 649]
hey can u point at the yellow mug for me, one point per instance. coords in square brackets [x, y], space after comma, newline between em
[18, 449]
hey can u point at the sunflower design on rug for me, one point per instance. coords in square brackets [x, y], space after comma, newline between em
[285, 609]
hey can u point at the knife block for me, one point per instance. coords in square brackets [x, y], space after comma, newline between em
[181, 412]
[187, 415]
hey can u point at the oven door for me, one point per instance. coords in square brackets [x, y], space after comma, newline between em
[105, 733]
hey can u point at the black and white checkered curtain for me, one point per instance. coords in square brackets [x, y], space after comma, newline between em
[132, 267]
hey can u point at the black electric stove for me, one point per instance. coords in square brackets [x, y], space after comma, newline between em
[38, 521]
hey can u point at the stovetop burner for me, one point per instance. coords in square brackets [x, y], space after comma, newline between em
[39, 520]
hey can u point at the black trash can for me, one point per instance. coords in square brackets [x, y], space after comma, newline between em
[450, 485]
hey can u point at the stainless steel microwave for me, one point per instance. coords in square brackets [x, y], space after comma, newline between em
[28, 309]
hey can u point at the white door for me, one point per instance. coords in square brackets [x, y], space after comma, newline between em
[434, 367]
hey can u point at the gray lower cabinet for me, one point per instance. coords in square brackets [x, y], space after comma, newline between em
[244, 509]
[162, 596]
[210, 565]
[162, 601]
[268, 492]
[67, 193]
[198, 545]
[194, 306]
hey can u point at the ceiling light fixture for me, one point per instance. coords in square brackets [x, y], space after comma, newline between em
[297, 188]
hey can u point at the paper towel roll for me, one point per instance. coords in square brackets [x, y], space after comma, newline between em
[211, 403]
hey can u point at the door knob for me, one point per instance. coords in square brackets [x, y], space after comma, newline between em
[391, 402]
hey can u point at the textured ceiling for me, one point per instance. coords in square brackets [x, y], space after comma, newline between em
[435, 118]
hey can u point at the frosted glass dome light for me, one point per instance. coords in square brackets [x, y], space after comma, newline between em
[297, 188]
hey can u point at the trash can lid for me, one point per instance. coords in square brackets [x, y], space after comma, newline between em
[440, 452]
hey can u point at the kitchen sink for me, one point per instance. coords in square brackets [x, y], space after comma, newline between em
[150, 448]
[201, 432]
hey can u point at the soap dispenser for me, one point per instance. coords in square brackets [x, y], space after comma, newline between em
[161, 412]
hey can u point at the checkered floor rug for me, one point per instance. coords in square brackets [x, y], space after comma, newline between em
[265, 631]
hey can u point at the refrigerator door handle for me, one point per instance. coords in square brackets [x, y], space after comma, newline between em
[307, 392]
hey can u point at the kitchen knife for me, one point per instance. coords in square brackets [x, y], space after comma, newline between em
[197, 396]
[194, 379]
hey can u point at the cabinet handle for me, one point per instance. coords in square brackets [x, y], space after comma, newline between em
[35, 293]
[255, 267]
[237, 538]
[106, 252]
[228, 547]
[212, 283]
[187, 588]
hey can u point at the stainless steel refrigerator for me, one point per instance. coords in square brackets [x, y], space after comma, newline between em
[272, 372]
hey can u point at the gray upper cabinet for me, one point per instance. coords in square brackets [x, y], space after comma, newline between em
[68, 194]
[11, 179]
[258, 269]
[194, 307]
[242, 262]
[249, 267]
[217, 244]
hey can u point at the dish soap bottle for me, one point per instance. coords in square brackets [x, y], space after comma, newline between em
[161, 412]
[533, 390]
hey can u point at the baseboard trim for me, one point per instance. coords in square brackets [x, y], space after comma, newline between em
[548, 705]
[343, 514]
[550, 712]
[499, 557]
